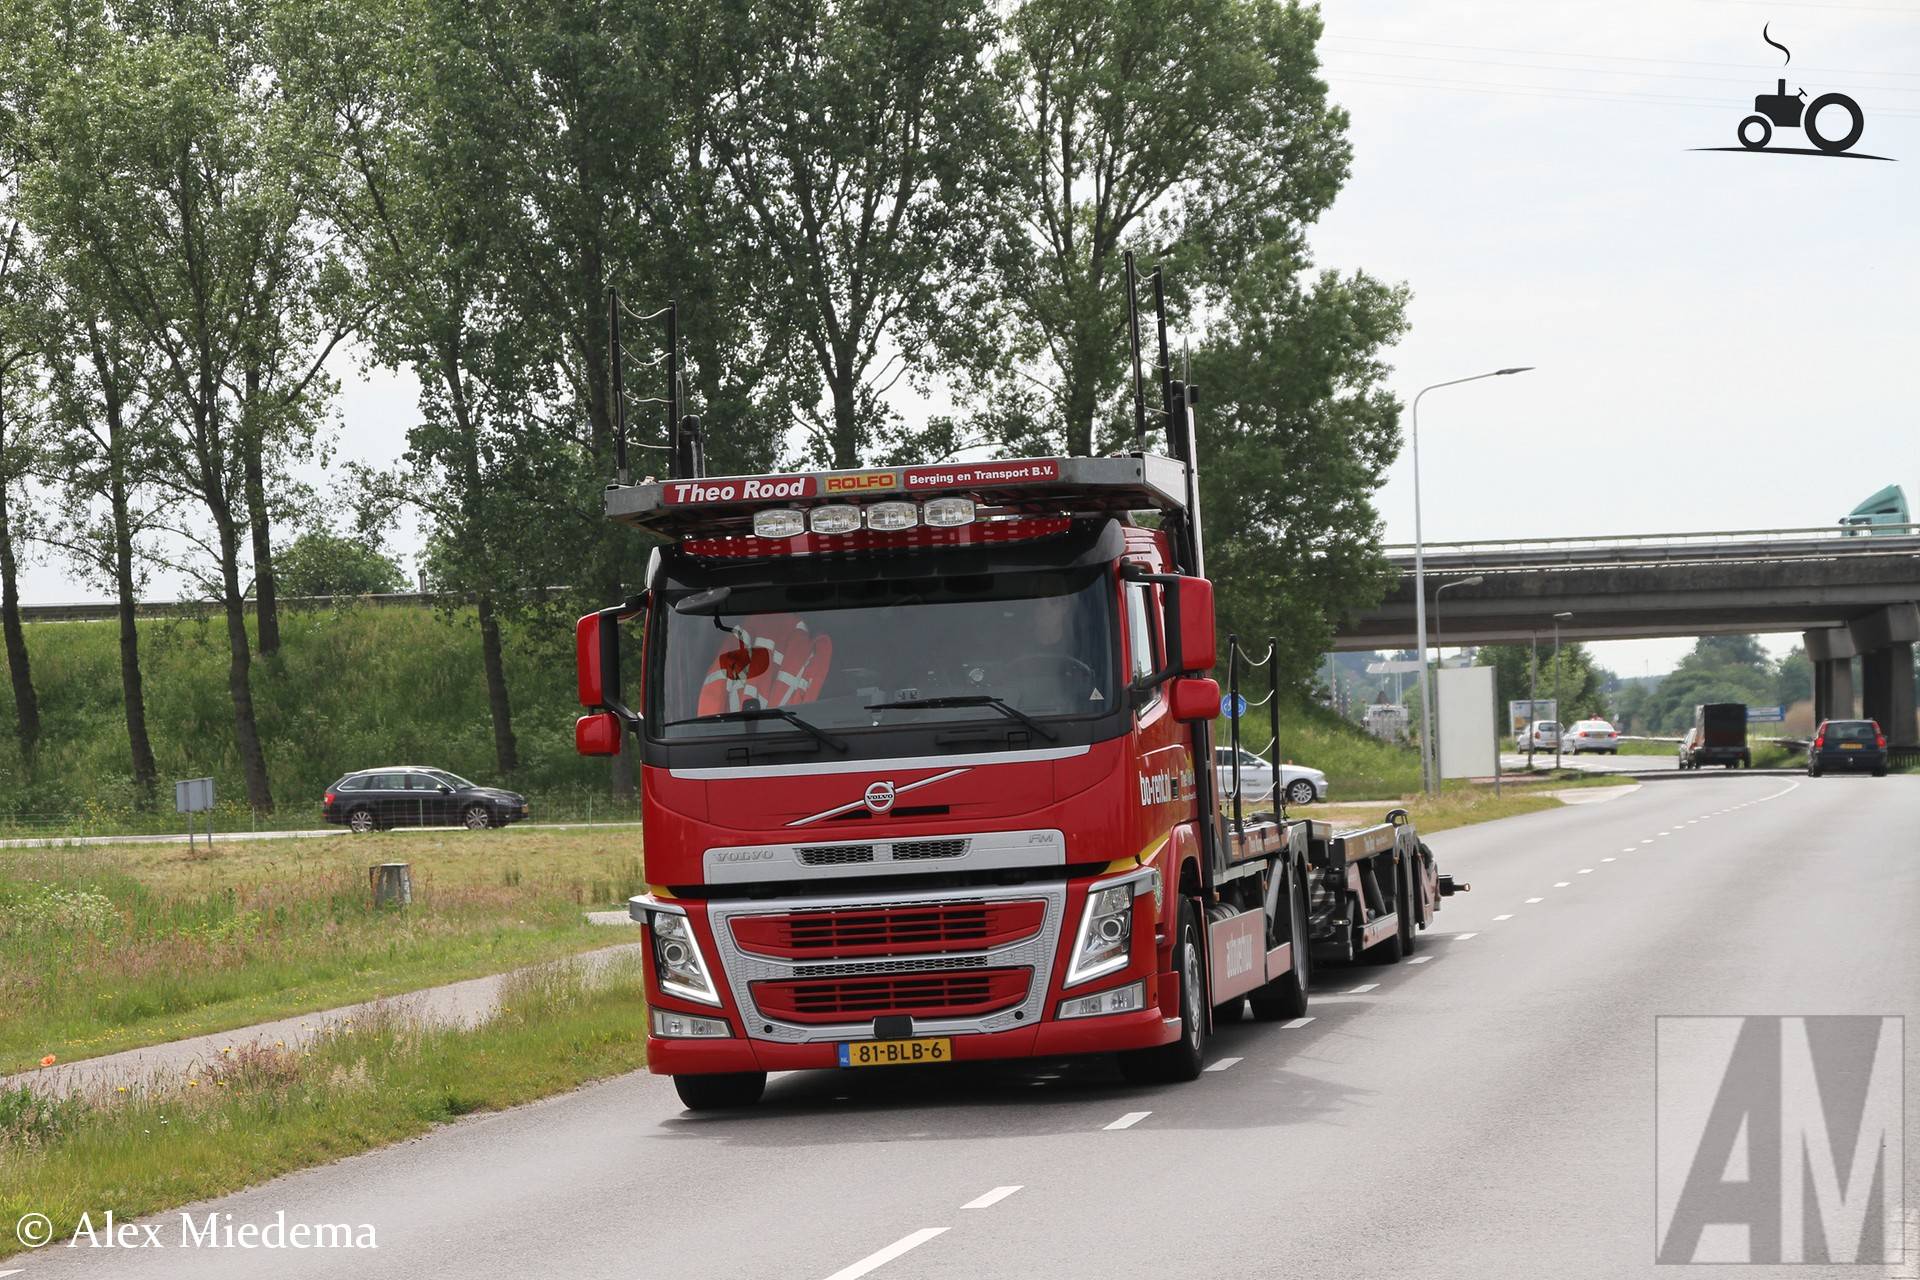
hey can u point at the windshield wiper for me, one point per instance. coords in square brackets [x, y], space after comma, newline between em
[969, 700]
[767, 713]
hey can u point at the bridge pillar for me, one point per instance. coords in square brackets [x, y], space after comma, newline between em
[1831, 650]
[1885, 640]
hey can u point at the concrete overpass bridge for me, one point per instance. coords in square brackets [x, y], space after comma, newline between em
[1851, 595]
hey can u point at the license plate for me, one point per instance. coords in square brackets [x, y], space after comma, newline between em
[894, 1053]
[1849, 746]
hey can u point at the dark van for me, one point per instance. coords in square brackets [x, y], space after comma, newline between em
[1851, 746]
[1719, 737]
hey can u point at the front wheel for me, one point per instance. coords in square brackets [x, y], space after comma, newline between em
[1749, 139]
[363, 821]
[1300, 791]
[477, 817]
[720, 1092]
[1181, 1060]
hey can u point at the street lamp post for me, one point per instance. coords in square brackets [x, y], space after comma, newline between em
[1533, 697]
[1420, 578]
[1440, 645]
[1560, 732]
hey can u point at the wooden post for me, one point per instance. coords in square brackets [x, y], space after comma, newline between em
[392, 884]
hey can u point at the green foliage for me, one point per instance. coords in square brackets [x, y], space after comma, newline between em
[1718, 669]
[350, 689]
[1574, 679]
[318, 563]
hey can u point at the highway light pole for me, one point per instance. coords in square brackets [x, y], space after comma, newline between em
[1440, 645]
[1420, 578]
[1560, 733]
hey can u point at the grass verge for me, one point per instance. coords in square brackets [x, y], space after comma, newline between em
[267, 1112]
[110, 949]
[1449, 809]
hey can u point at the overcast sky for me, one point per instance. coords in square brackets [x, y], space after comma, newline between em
[1723, 340]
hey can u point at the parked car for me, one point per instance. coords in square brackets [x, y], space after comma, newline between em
[1718, 736]
[1303, 785]
[1545, 735]
[1592, 735]
[416, 796]
[1853, 745]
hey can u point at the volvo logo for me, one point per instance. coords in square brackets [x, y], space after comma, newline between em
[879, 797]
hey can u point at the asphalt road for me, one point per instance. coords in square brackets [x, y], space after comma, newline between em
[1593, 762]
[1485, 1112]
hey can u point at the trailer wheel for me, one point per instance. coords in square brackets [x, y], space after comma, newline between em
[720, 1092]
[1387, 950]
[1180, 1061]
[1286, 995]
[1409, 926]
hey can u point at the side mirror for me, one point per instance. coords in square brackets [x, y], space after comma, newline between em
[1194, 603]
[1194, 698]
[597, 735]
[588, 645]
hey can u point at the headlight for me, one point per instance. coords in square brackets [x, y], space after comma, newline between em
[686, 1026]
[1120, 1000]
[1106, 934]
[676, 956]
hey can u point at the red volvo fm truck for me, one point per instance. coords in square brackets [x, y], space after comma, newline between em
[925, 764]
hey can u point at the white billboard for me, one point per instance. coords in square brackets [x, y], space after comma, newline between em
[1467, 737]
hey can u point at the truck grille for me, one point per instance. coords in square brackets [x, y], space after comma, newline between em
[901, 929]
[968, 993]
[907, 850]
[835, 855]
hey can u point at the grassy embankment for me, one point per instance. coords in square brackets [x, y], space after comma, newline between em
[265, 1112]
[349, 689]
[103, 949]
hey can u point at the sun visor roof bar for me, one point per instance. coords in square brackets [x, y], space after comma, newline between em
[725, 505]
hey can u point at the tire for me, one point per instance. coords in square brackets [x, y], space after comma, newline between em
[1180, 1061]
[1409, 927]
[1300, 791]
[477, 817]
[1879, 773]
[1812, 772]
[1286, 995]
[1385, 951]
[1833, 146]
[1766, 132]
[1234, 1010]
[362, 820]
[720, 1092]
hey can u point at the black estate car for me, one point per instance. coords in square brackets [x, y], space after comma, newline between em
[1852, 745]
[414, 796]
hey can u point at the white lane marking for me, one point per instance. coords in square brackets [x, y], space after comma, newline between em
[874, 1261]
[1666, 833]
[1646, 842]
[1128, 1120]
[1224, 1063]
[1630, 848]
[1363, 988]
[1691, 821]
[998, 1194]
[1419, 959]
[1462, 937]
[1561, 884]
[1536, 899]
[1297, 1022]
[1586, 871]
[1506, 917]
[16, 1271]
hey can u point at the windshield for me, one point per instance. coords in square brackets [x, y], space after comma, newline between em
[1037, 644]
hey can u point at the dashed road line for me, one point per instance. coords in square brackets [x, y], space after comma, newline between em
[1221, 1065]
[1536, 900]
[1630, 848]
[1296, 1022]
[1561, 884]
[874, 1261]
[1506, 917]
[1646, 842]
[1462, 937]
[1586, 871]
[1128, 1120]
[1606, 859]
[998, 1194]
[1363, 988]
[1419, 959]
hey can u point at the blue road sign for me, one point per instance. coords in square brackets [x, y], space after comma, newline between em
[1233, 704]
[1766, 714]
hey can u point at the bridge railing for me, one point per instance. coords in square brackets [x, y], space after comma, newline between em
[1849, 534]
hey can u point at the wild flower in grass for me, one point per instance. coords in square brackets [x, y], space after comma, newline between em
[48, 1061]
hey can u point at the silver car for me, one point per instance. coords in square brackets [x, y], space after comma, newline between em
[1303, 785]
